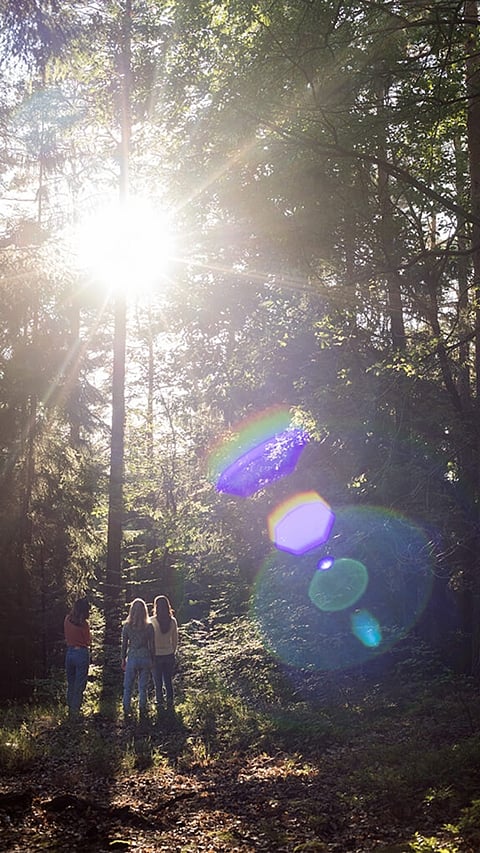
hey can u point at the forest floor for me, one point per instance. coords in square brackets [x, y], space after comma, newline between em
[379, 768]
[99, 785]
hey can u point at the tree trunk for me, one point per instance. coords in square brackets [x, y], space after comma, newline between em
[387, 231]
[473, 134]
[113, 581]
[464, 377]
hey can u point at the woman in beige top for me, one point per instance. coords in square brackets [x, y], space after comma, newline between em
[166, 642]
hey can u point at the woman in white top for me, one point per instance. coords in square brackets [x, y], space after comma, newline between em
[166, 642]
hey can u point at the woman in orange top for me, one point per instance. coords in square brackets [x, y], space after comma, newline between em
[77, 658]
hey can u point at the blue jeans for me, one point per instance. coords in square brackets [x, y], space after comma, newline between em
[76, 665]
[137, 668]
[162, 676]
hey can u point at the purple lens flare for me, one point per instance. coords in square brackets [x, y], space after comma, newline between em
[301, 523]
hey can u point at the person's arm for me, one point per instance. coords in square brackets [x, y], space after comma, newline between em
[174, 636]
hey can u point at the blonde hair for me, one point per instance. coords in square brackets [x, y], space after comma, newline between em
[138, 614]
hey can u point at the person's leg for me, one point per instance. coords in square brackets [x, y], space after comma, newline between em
[168, 667]
[128, 682]
[144, 671]
[82, 660]
[158, 680]
[70, 673]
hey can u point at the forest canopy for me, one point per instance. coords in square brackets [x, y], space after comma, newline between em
[211, 211]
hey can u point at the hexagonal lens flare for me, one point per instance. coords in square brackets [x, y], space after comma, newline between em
[301, 523]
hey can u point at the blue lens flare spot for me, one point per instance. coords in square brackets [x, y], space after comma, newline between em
[366, 628]
[301, 523]
[261, 452]
[340, 587]
[325, 564]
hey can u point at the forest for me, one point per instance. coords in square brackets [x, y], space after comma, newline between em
[240, 367]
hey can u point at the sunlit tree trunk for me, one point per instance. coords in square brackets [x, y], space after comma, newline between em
[462, 266]
[150, 387]
[113, 590]
[387, 229]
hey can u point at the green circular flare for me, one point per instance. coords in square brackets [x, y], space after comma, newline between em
[338, 587]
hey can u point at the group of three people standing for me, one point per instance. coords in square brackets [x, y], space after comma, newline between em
[148, 647]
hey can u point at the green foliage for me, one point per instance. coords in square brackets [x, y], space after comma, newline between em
[221, 721]
[415, 663]
[18, 748]
[34, 31]
[469, 823]
[432, 844]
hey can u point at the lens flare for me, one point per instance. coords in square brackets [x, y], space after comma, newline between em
[397, 558]
[259, 453]
[366, 628]
[340, 587]
[301, 523]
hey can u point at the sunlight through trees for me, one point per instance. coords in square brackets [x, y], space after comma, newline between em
[313, 169]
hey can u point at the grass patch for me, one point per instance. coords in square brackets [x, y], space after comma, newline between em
[18, 747]
[221, 721]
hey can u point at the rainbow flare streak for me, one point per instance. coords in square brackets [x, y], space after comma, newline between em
[259, 454]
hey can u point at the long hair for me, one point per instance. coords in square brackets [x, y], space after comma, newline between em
[80, 611]
[138, 614]
[163, 612]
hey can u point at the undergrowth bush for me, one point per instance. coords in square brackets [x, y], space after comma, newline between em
[469, 823]
[16, 748]
[222, 720]
[236, 696]
[19, 747]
